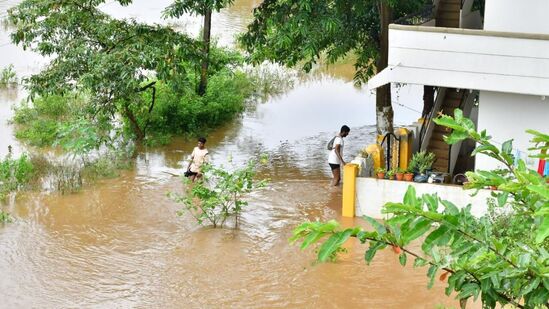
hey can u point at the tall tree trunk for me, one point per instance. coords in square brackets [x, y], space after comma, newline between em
[139, 133]
[205, 52]
[384, 109]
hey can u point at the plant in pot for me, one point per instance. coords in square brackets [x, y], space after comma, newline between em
[380, 172]
[422, 162]
[391, 174]
[409, 174]
[399, 173]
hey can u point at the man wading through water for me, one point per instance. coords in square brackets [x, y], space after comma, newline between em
[198, 157]
[335, 159]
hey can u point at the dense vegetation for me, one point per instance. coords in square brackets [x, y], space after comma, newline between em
[117, 68]
[502, 256]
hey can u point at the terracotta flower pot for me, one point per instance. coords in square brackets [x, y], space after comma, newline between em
[408, 177]
[399, 176]
[380, 175]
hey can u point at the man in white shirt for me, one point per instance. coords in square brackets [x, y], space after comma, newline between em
[335, 158]
[198, 157]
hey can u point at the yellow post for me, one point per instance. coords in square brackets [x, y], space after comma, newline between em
[350, 171]
[405, 152]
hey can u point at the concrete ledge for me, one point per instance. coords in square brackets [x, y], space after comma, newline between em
[373, 193]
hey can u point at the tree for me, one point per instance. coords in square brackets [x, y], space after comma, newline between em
[92, 52]
[203, 8]
[301, 32]
[502, 256]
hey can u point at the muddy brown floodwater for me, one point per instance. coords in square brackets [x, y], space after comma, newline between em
[119, 243]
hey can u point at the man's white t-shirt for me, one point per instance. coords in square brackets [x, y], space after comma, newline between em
[333, 158]
[199, 158]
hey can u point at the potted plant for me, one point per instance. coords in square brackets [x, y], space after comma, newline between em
[380, 172]
[399, 173]
[422, 162]
[409, 174]
[391, 174]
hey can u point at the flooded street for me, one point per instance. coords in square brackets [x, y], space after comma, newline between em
[120, 244]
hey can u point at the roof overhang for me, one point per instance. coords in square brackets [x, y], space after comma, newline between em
[467, 59]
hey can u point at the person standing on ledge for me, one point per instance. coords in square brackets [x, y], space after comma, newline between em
[335, 158]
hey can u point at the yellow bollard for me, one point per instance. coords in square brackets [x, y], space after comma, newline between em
[350, 171]
[405, 151]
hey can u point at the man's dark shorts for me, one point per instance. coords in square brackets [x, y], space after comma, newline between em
[189, 174]
[334, 166]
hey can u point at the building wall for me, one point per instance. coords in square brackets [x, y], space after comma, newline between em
[507, 116]
[527, 16]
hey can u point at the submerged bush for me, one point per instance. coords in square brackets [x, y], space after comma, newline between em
[38, 122]
[5, 217]
[15, 174]
[219, 194]
[8, 77]
[187, 113]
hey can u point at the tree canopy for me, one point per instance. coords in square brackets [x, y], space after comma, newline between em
[302, 32]
[92, 51]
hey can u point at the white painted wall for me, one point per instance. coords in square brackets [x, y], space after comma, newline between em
[467, 59]
[507, 116]
[526, 16]
[373, 193]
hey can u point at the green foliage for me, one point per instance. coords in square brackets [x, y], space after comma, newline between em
[301, 32]
[219, 194]
[421, 161]
[5, 217]
[118, 62]
[195, 7]
[501, 256]
[188, 113]
[15, 173]
[61, 120]
[106, 57]
[8, 77]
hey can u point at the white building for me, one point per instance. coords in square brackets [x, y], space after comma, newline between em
[507, 62]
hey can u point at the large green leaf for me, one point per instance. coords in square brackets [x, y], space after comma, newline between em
[380, 228]
[333, 244]
[434, 237]
[420, 227]
[372, 250]
[543, 230]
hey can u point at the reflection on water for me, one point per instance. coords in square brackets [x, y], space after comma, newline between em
[120, 244]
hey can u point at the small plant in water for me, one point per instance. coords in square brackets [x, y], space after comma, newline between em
[8, 77]
[14, 173]
[219, 195]
[5, 217]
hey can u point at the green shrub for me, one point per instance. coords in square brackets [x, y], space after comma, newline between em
[219, 194]
[5, 217]
[190, 114]
[15, 173]
[8, 77]
[38, 123]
